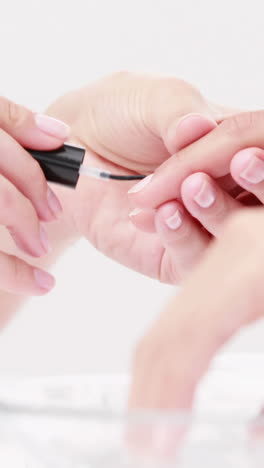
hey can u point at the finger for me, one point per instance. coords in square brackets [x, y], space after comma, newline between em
[31, 130]
[17, 277]
[25, 173]
[180, 134]
[247, 169]
[143, 220]
[187, 130]
[172, 100]
[183, 239]
[207, 202]
[211, 154]
[19, 216]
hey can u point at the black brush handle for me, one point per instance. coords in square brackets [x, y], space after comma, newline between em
[61, 165]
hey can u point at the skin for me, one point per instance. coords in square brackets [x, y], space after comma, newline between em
[25, 198]
[133, 124]
[175, 353]
[128, 124]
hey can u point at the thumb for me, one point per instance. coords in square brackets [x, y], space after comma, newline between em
[31, 130]
[187, 130]
[174, 100]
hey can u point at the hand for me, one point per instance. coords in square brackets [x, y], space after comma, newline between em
[128, 124]
[211, 154]
[224, 293]
[25, 198]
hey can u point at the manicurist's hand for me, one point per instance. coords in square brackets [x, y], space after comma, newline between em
[224, 293]
[129, 125]
[26, 201]
[211, 154]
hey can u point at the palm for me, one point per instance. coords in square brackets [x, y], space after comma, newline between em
[108, 227]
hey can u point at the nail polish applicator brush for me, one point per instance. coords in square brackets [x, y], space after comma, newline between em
[65, 165]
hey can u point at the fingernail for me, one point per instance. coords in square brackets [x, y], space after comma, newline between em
[43, 279]
[44, 239]
[174, 221]
[206, 196]
[140, 185]
[192, 119]
[188, 129]
[52, 127]
[254, 172]
[135, 212]
[53, 203]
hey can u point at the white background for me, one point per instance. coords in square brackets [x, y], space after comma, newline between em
[92, 319]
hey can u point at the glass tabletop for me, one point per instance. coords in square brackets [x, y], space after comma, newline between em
[82, 422]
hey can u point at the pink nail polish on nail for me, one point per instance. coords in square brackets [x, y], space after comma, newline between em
[254, 172]
[206, 196]
[43, 279]
[52, 127]
[140, 185]
[135, 212]
[174, 221]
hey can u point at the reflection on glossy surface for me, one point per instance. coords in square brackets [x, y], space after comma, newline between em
[81, 423]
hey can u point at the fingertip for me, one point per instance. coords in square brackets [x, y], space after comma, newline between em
[169, 216]
[242, 159]
[52, 127]
[191, 184]
[140, 195]
[144, 220]
[190, 128]
[32, 130]
[43, 280]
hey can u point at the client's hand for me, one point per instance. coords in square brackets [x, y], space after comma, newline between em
[224, 293]
[128, 123]
[25, 198]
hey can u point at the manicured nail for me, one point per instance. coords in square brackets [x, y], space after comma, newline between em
[135, 212]
[44, 239]
[52, 127]
[54, 203]
[174, 221]
[254, 172]
[43, 279]
[192, 119]
[140, 185]
[206, 196]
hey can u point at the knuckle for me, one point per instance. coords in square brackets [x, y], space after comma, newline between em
[11, 113]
